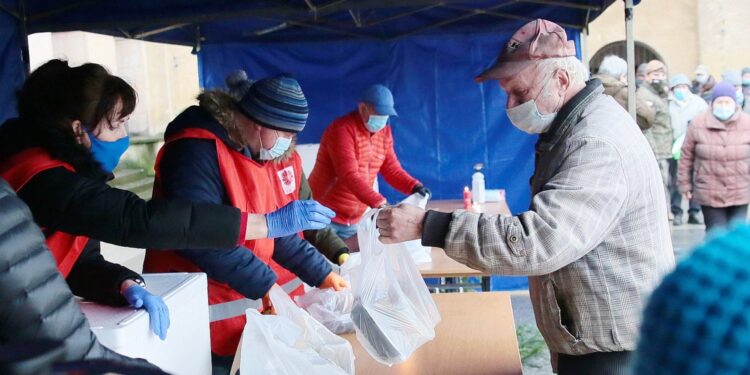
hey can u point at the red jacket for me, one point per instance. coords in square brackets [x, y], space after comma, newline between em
[348, 162]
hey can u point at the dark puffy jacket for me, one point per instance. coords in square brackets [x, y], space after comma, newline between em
[36, 301]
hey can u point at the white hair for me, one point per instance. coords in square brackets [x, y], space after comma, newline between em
[613, 66]
[575, 68]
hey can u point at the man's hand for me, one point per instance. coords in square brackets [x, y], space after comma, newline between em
[400, 223]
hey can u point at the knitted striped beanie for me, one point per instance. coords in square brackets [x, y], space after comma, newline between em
[698, 320]
[276, 103]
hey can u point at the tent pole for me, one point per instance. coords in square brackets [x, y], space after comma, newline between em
[630, 51]
[24, 36]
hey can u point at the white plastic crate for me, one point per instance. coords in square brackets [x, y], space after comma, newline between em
[187, 349]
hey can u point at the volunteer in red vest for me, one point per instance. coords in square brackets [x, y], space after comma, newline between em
[237, 152]
[59, 153]
[353, 150]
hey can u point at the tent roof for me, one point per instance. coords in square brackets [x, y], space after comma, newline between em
[218, 21]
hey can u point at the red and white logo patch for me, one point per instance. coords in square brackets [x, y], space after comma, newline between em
[287, 178]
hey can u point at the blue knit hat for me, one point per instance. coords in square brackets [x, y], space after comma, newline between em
[724, 88]
[276, 103]
[698, 320]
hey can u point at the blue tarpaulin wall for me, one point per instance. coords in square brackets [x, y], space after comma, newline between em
[446, 122]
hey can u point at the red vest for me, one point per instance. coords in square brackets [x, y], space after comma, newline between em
[19, 170]
[253, 188]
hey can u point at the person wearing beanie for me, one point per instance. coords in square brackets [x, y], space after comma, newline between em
[746, 88]
[325, 240]
[353, 150]
[735, 78]
[684, 106]
[714, 161]
[703, 83]
[696, 322]
[655, 92]
[239, 152]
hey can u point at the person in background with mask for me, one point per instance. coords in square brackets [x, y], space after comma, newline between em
[746, 89]
[613, 72]
[735, 78]
[703, 83]
[353, 150]
[659, 136]
[640, 75]
[58, 155]
[684, 106]
[595, 241]
[325, 240]
[238, 153]
[714, 167]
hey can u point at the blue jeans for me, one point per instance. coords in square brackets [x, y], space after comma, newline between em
[344, 231]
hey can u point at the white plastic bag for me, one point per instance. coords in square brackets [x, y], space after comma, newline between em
[291, 342]
[393, 312]
[420, 254]
[330, 308]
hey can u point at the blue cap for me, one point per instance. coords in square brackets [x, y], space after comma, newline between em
[678, 79]
[381, 98]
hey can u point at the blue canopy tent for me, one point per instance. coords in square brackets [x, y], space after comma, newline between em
[426, 51]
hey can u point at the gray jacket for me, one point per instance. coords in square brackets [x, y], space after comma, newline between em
[682, 114]
[36, 301]
[596, 238]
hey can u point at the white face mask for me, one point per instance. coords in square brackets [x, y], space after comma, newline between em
[279, 148]
[527, 117]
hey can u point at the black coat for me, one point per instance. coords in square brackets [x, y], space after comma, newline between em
[81, 203]
[36, 302]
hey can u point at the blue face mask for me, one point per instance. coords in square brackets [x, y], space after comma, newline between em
[740, 97]
[723, 113]
[108, 154]
[679, 95]
[746, 82]
[376, 123]
[279, 148]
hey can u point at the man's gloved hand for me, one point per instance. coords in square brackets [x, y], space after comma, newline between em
[158, 312]
[420, 189]
[298, 216]
[335, 281]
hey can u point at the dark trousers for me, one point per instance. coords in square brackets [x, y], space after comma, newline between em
[221, 365]
[675, 196]
[605, 363]
[718, 217]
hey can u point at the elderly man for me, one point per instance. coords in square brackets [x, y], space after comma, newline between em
[684, 106]
[613, 72]
[595, 241]
[703, 83]
[656, 91]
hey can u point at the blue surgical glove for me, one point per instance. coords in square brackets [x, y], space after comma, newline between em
[158, 313]
[298, 216]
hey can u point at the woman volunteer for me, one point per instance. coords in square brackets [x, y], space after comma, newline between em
[58, 154]
[238, 152]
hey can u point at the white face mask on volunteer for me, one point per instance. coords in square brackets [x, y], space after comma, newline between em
[527, 117]
[279, 148]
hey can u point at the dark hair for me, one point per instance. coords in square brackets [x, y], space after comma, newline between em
[55, 95]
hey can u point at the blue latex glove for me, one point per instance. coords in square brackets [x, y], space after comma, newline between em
[298, 216]
[158, 313]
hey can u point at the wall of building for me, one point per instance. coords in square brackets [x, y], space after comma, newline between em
[164, 76]
[668, 26]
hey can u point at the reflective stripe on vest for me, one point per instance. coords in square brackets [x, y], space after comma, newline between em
[227, 310]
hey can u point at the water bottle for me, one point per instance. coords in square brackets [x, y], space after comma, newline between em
[477, 184]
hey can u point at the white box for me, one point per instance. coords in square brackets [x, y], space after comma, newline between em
[187, 349]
